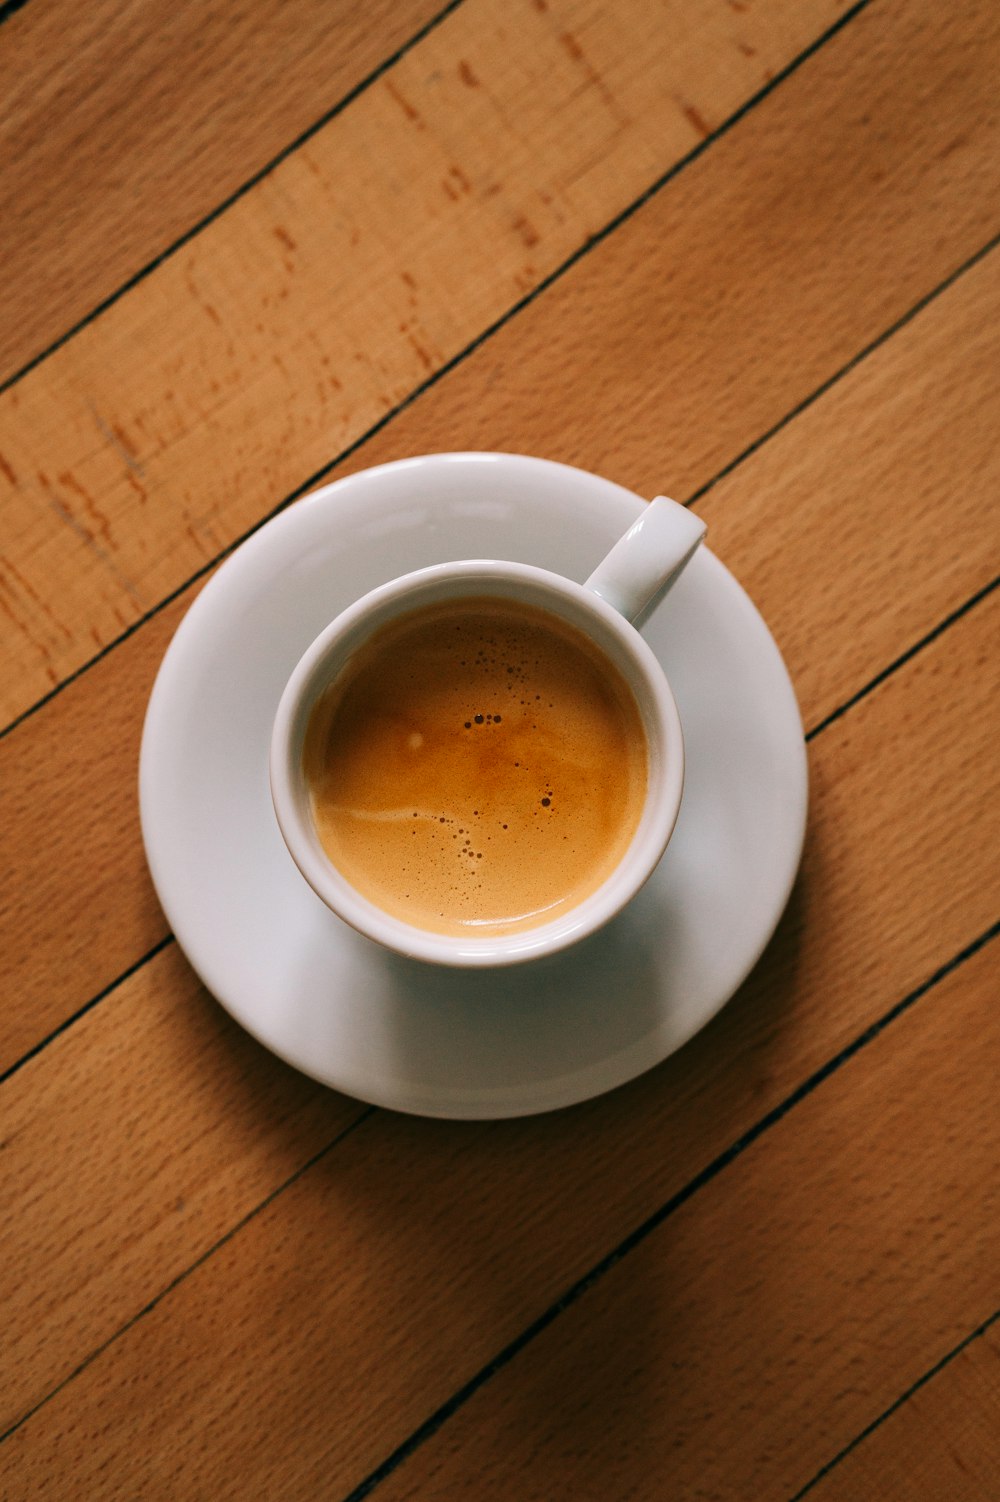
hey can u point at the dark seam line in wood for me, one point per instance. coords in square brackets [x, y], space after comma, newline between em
[349, 98]
[654, 1221]
[363, 1115]
[234, 197]
[628, 1244]
[903, 1398]
[848, 704]
[905, 657]
[463, 354]
[838, 375]
[11, 8]
[327, 469]
[87, 1006]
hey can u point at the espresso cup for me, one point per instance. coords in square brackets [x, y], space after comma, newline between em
[482, 762]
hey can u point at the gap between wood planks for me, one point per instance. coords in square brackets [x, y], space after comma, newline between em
[654, 1221]
[589, 244]
[216, 1246]
[904, 1397]
[13, 5]
[300, 140]
[10, 8]
[628, 1244]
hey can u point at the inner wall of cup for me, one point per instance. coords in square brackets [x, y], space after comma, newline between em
[609, 631]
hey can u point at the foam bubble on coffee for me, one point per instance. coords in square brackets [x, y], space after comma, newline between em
[478, 767]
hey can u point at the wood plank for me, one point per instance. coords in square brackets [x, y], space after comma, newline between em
[912, 426]
[149, 1131]
[943, 1442]
[325, 1330]
[773, 1314]
[137, 453]
[77, 907]
[125, 122]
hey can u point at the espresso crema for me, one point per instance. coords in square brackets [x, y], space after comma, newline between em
[477, 768]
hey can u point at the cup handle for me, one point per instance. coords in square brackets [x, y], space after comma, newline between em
[648, 560]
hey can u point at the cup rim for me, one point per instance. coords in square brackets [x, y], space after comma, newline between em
[629, 652]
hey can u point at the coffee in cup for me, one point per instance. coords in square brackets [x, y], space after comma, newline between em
[478, 767]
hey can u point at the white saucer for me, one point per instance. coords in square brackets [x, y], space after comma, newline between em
[401, 1033]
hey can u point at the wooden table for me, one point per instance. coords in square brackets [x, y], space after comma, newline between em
[743, 252]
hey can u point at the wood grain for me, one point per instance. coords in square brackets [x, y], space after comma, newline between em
[901, 513]
[125, 122]
[761, 1267]
[77, 906]
[335, 1321]
[943, 1442]
[775, 1313]
[145, 1135]
[139, 455]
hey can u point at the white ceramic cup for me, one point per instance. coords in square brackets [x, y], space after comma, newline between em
[621, 593]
